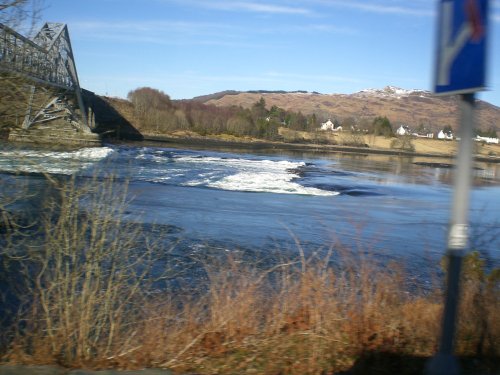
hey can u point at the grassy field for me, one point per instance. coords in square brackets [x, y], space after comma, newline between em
[428, 146]
[434, 146]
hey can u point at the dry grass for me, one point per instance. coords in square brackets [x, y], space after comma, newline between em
[90, 299]
[421, 145]
[319, 137]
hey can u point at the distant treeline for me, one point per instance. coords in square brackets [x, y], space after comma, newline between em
[156, 113]
[491, 132]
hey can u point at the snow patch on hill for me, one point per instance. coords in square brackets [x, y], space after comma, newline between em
[391, 92]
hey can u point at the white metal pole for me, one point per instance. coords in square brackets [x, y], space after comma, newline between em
[444, 363]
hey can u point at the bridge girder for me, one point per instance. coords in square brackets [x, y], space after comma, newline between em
[47, 59]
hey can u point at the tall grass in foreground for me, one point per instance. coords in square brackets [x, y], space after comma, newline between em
[90, 295]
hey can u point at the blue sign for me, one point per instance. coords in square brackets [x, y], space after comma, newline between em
[461, 51]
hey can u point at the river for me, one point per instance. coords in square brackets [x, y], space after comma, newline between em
[390, 207]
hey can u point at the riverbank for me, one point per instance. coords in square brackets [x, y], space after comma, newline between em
[428, 148]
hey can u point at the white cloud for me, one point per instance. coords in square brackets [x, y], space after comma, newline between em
[159, 32]
[307, 28]
[382, 7]
[326, 28]
[182, 33]
[127, 38]
[146, 26]
[303, 7]
[263, 7]
[257, 7]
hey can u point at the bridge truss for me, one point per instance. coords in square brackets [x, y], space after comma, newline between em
[46, 60]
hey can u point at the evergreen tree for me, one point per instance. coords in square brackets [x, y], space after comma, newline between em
[259, 109]
[382, 126]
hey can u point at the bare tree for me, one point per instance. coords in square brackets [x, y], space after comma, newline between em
[20, 15]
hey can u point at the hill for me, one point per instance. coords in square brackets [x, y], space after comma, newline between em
[410, 107]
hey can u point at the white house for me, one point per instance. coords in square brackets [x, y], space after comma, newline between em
[403, 130]
[426, 135]
[329, 125]
[489, 140]
[443, 135]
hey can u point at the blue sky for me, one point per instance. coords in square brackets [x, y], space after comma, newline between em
[188, 48]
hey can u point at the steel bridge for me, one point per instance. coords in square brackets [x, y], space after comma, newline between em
[47, 61]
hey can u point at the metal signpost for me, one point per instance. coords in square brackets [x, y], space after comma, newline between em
[460, 69]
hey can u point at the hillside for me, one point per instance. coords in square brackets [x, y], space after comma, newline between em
[409, 107]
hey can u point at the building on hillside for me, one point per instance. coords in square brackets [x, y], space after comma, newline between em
[443, 135]
[424, 135]
[403, 130]
[488, 140]
[329, 125]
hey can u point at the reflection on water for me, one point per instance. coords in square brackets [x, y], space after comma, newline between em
[417, 170]
[406, 167]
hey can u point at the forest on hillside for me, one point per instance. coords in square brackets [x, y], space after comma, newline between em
[155, 113]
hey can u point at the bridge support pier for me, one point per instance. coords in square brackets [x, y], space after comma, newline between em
[56, 122]
[26, 122]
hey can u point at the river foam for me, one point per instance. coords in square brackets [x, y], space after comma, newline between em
[51, 161]
[207, 169]
[250, 175]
